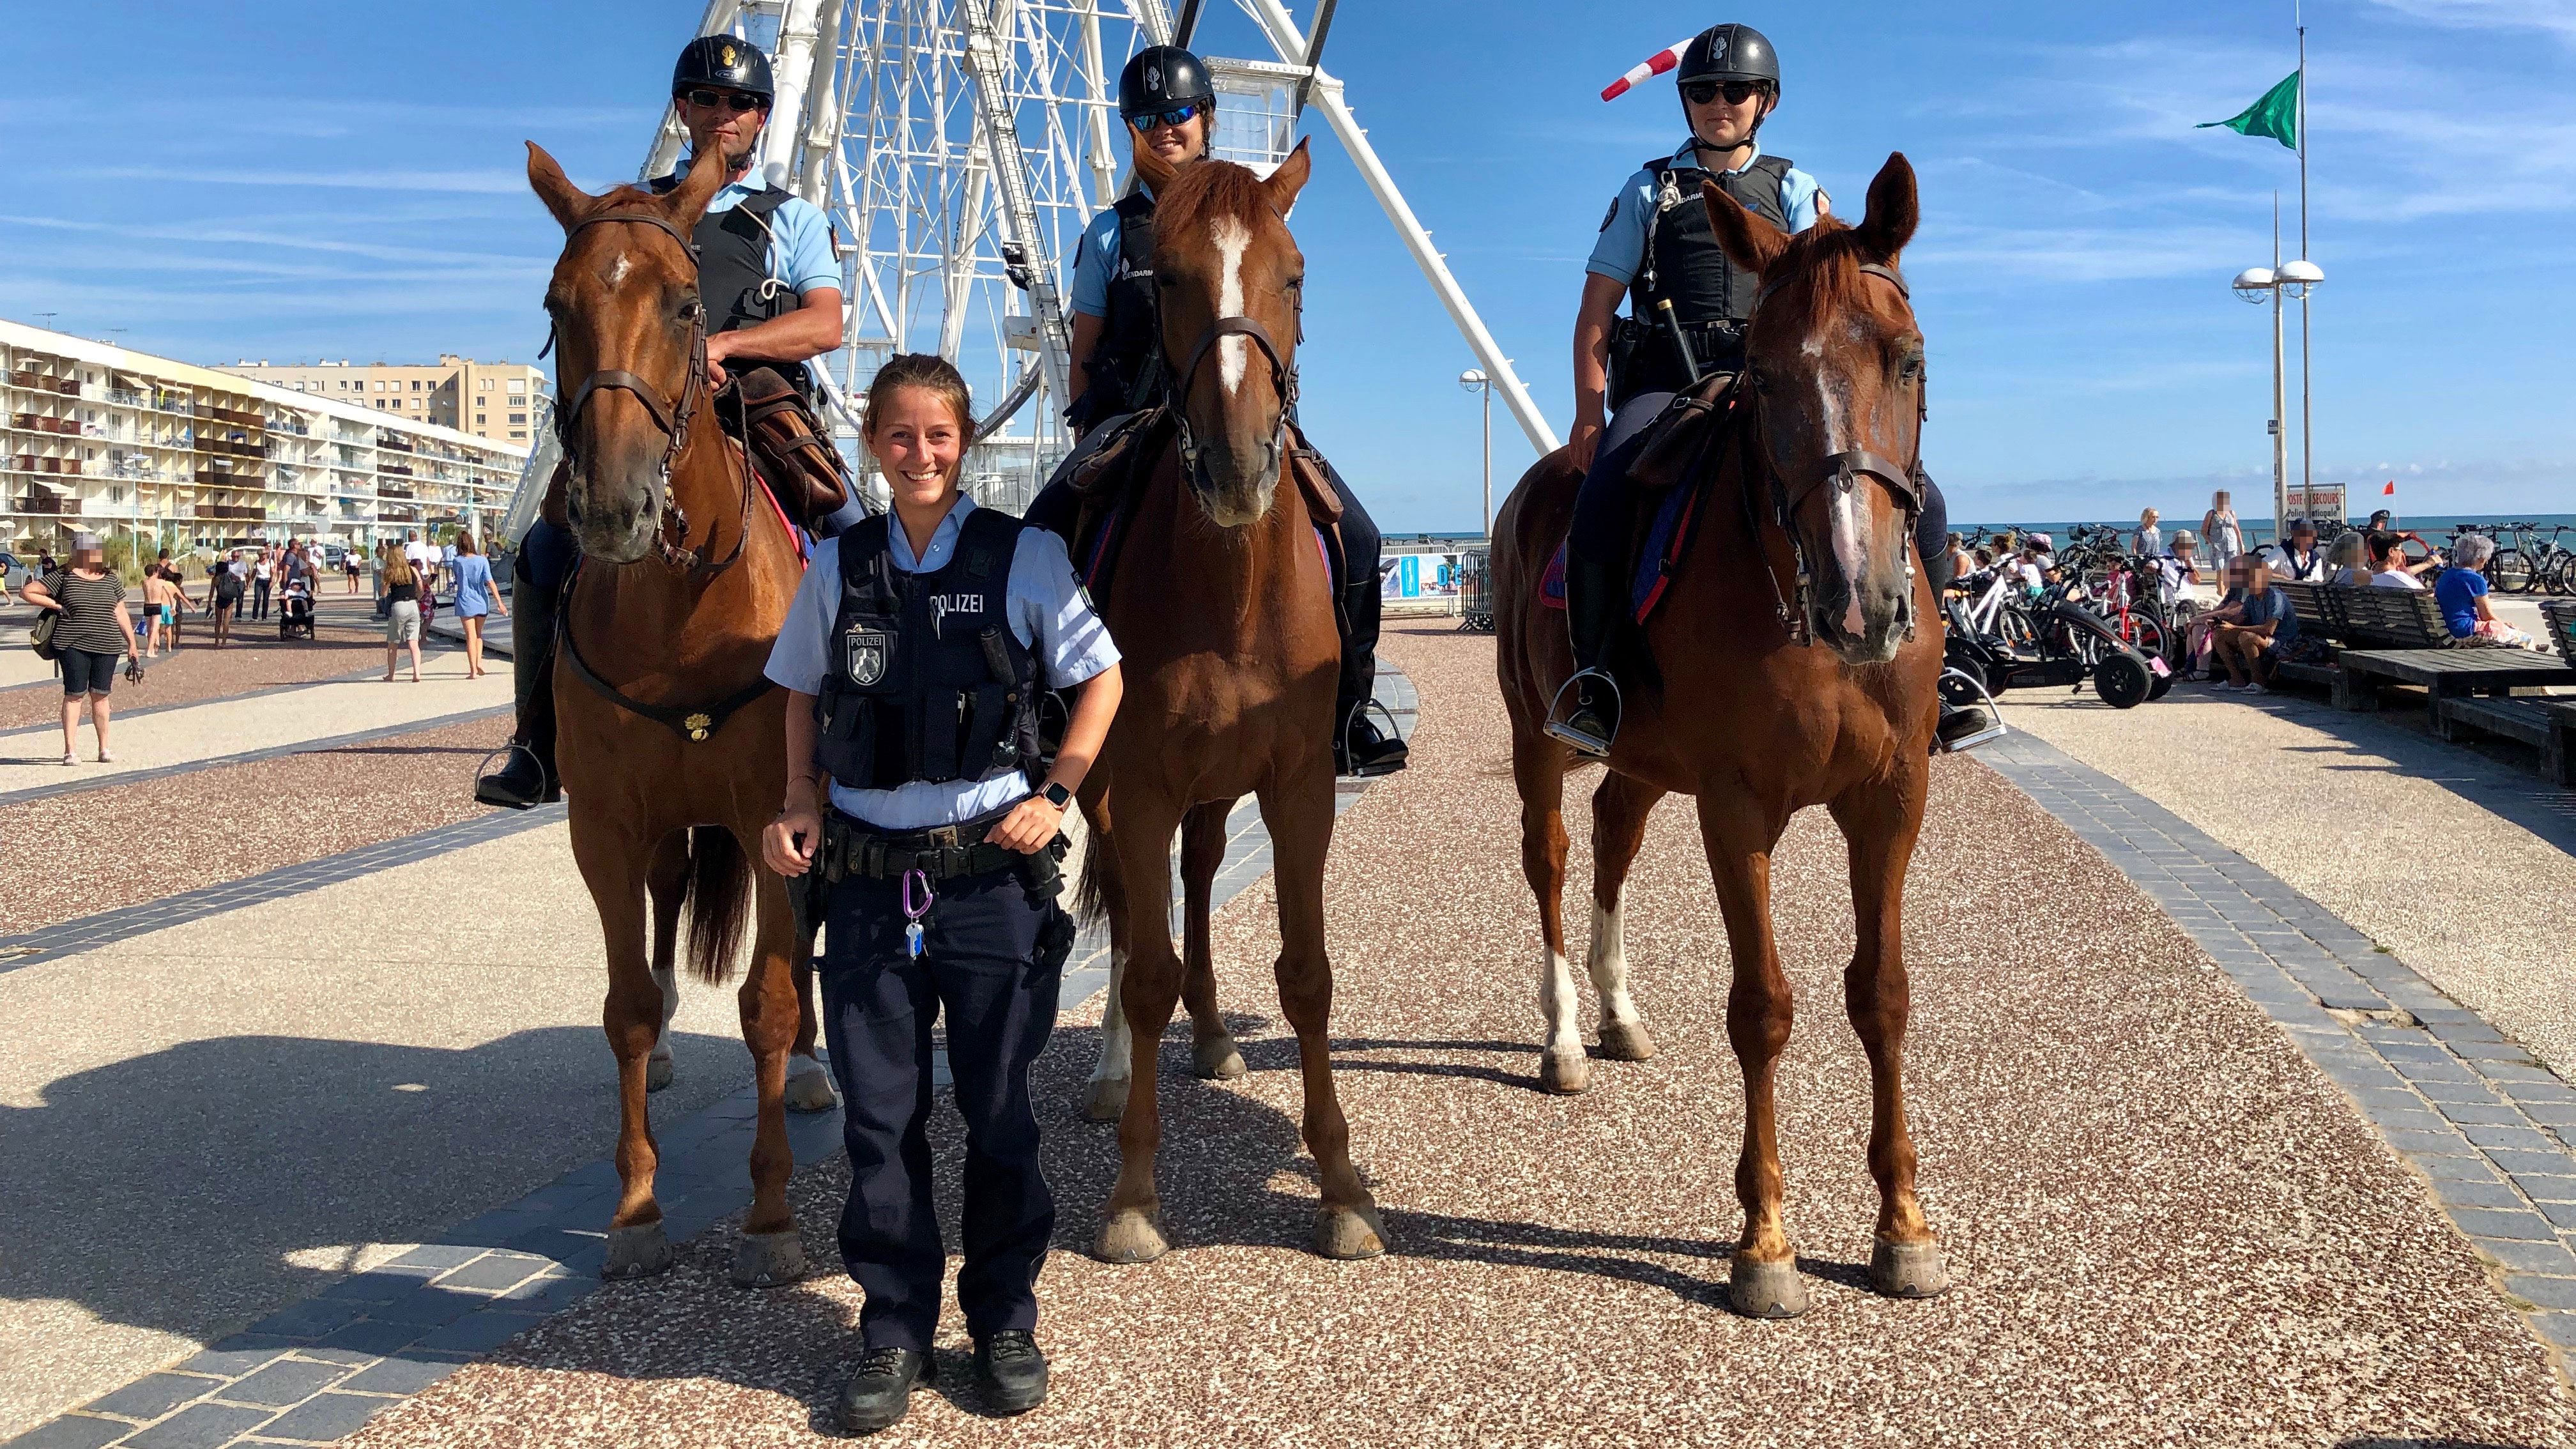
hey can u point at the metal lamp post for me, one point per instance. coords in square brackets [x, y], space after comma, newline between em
[2260, 284]
[1475, 380]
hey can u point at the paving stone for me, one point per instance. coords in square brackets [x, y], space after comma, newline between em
[153, 1395]
[288, 1381]
[373, 1336]
[379, 1285]
[2558, 1328]
[429, 1306]
[2459, 1193]
[2521, 1222]
[2560, 1115]
[408, 1375]
[311, 1318]
[345, 1357]
[2550, 1259]
[493, 1274]
[2442, 1090]
[200, 1426]
[2492, 1051]
[438, 1255]
[559, 1290]
[2541, 1187]
[488, 1330]
[2495, 1114]
[2452, 1168]
[2522, 1162]
[71, 1431]
[2559, 1293]
[327, 1418]
[227, 1363]
[2507, 1138]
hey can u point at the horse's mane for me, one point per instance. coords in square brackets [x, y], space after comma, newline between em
[1204, 192]
[1829, 256]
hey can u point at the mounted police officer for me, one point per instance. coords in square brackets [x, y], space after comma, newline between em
[1168, 101]
[1656, 249]
[771, 285]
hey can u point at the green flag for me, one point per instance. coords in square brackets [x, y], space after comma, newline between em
[2276, 115]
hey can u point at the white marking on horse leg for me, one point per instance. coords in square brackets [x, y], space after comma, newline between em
[1608, 962]
[669, 982]
[1556, 1002]
[1233, 354]
[1115, 1045]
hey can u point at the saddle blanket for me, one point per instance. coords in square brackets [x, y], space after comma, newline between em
[1658, 563]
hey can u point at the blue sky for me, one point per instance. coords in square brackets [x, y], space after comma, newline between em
[345, 180]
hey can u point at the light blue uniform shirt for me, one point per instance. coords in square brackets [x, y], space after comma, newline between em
[1620, 252]
[1095, 262]
[800, 236]
[1049, 613]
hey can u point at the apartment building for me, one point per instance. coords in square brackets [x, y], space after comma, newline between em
[495, 401]
[99, 437]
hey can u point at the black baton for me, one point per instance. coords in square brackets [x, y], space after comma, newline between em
[1681, 339]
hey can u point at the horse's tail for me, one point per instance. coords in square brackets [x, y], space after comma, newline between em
[718, 901]
[1091, 898]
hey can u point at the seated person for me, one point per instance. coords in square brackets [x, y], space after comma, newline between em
[2249, 645]
[2178, 570]
[2348, 563]
[2389, 568]
[2030, 570]
[2300, 562]
[2462, 592]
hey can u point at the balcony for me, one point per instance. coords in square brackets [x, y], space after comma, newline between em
[389, 490]
[234, 416]
[32, 504]
[394, 468]
[229, 448]
[238, 511]
[232, 480]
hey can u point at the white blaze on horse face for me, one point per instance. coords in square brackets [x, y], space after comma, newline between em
[1845, 516]
[1233, 354]
[617, 271]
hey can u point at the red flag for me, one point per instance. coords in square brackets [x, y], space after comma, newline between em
[2390, 491]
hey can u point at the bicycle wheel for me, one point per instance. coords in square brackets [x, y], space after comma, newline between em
[2140, 631]
[2017, 632]
[2509, 571]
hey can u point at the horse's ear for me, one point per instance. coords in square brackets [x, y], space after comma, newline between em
[1748, 240]
[706, 177]
[1151, 169]
[1893, 209]
[1283, 184]
[568, 202]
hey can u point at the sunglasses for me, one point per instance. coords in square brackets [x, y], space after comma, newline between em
[1159, 119]
[1700, 93]
[734, 101]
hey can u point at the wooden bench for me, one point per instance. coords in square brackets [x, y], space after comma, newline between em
[2313, 604]
[2444, 673]
[2560, 615]
[2376, 618]
[2548, 725]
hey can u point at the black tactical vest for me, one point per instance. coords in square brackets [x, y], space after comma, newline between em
[926, 680]
[1712, 297]
[734, 280]
[1126, 367]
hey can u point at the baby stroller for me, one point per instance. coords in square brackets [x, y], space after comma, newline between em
[295, 611]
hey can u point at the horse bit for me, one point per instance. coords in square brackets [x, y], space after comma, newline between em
[672, 531]
[1843, 472]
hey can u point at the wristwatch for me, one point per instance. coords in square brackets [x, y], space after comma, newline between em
[1056, 795]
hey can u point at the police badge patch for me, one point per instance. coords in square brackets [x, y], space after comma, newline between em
[864, 657]
[1611, 215]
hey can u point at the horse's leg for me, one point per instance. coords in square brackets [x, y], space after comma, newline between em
[1104, 1099]
[1213, 1055]
[769, 1253]
[1299, 815]
[1149, 988]
[613, 865]
[809, 1082]
[1879, 820]
[1765, 1279]
[1619, 810]
[1538, 770]
[667, 879]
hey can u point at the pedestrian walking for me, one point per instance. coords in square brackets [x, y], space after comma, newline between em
[399, 586]
[353, 561]
[158, 596]
[475, 597]
[2220, 529]
[263, 577]
[93, 629]
[224, 589]
[2149, 540]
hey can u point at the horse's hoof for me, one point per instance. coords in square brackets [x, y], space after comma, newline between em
[1344, 1234]
[1626, 1041]
[1216, 1060]
[1105, 1100]
[1564, 1073]
[637, 1252]
[1130, 1237]
[1908, 1270]
[1766, 1290]
[768, 1260]
[809, 1086]
[657, 1073]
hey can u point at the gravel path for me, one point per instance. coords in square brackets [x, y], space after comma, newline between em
[2369, 818]
[347, 638]
[156, 838]
[2165, 1226]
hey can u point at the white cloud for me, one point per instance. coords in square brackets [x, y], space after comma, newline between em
[2555, 16]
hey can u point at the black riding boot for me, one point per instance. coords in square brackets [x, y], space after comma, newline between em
[1592, 602]
[526, 778]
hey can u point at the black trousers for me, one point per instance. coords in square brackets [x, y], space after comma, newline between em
[259, 598]
[993, 956]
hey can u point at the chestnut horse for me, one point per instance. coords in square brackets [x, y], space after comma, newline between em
[670, 740]
[1799, 648]
[1223, 612]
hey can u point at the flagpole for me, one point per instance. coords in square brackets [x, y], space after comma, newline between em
[2307, 295]
[2280, 424]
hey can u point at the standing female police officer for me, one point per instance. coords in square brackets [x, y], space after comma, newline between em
[1656, 248]
[917, 649]
[1169, 104]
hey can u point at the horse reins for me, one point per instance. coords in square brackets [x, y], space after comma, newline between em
[1843, 471]
[1176, 386]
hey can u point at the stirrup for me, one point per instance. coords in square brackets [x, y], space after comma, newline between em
[549, 794]
[1558, 730]
[1986, 736]
[1359, 712]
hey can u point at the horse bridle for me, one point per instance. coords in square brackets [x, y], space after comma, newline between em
[1176, 387]
[1843, 472]
[671, 533]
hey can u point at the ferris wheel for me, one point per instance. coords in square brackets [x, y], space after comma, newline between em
[959, 148]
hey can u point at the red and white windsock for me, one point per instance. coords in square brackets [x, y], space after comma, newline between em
[1660, 63]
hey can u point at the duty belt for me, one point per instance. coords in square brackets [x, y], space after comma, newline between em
[851, 848]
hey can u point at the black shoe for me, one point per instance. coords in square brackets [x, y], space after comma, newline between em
[1594, 722]
[1362, 750]
[1012, 1371]
[521, 783]
[1965, 726]
[879, 1392]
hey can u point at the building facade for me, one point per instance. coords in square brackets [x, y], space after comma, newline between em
[495, 401]
[101, 438]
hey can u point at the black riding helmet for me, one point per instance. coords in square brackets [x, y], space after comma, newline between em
[722, 60]
[1163, 78]
[1730, 53]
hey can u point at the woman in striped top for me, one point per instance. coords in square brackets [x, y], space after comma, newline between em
[93, 630]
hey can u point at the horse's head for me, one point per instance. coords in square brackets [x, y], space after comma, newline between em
[1836, 364]
[630, 336]
[1226, 280]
